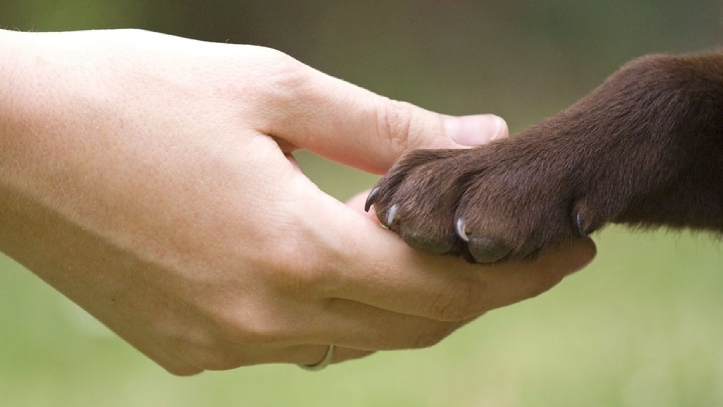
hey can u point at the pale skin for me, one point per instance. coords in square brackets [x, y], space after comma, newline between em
[149, 179]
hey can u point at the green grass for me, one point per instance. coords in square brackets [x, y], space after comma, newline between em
[641, 326]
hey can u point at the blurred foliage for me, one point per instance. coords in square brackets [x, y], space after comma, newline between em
[641, 326]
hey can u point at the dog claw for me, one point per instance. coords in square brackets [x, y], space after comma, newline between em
[390, 215]
[459, 227]
[579, 226]
[371, 199]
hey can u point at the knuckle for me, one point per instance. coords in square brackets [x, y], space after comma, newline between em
[212, 353]
[301, 268]
[261, 333]
[280, 75]
[247, 324]
[305, 276]
[229, 346]
[395, 122]
[207, 356]
[209, 360]
[263, 76]
[298, 281]
[198, 346]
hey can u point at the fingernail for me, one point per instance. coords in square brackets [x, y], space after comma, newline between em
[474, 130]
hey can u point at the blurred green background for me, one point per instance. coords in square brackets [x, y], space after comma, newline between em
[641, 326]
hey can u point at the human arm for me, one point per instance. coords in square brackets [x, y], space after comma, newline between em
[148, 178]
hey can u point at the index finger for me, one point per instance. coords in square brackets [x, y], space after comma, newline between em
[356, 127]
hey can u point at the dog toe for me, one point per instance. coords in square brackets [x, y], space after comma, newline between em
[424, 241]
[487, 250]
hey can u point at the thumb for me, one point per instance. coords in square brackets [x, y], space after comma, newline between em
[475, 130]
[353, 126]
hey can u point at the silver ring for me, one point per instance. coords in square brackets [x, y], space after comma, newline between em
[323, 363]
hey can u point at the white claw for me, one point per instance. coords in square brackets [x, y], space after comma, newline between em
[390, 215]
[460, 229]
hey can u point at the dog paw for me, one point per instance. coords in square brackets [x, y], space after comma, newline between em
[500, 202]
[643, 150]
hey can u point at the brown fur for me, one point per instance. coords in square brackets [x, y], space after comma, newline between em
[643, 149]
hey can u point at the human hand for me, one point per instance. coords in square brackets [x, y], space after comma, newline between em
[148, 178]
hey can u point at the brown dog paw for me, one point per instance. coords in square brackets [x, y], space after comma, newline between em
[488, 205]
[643, 149]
